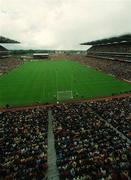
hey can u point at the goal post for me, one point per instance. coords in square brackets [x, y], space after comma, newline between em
[64, 95]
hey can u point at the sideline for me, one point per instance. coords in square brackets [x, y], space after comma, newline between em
[44, 106]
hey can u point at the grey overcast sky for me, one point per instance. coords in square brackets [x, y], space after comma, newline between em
[63, 24]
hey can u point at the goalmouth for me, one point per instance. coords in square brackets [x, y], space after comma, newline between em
[64, 95]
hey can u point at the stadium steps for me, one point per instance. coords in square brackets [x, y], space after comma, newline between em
[112, 127]
[52, 173]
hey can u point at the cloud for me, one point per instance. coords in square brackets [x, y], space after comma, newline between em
[62, 24]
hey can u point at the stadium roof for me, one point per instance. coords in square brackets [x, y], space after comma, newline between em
[3, 48]
[112, 40]
[6, 40]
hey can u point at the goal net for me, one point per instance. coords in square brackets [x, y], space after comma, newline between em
[64, 95]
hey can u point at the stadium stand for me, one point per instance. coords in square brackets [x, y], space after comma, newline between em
[120, 69]
[116, 112]
[4, 53]
[8, 63]
[115, 48]
[23, 144]
[87, 147]
[92, 141]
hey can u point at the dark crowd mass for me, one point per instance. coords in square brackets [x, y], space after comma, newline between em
[23, 144]
[122, 70]
[87, 147]
[116, 112]
[8, 64]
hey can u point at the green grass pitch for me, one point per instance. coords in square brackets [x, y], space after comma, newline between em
[39, 82]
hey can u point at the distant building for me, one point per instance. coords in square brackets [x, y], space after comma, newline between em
[40, 55]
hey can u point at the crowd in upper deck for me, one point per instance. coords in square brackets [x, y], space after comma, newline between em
[118, 48]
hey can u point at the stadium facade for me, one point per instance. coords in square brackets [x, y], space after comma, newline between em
[115, 48]
[5, 53]
[40, 55]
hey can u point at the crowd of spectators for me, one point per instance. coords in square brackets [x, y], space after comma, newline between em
[87, 148]
[112, 57]
[23, 144]
[121, 70]
[8, 64]
[125, 48]
[111, 53]
[117, 112]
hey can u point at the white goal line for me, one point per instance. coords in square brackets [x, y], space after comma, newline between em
[61, 95]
